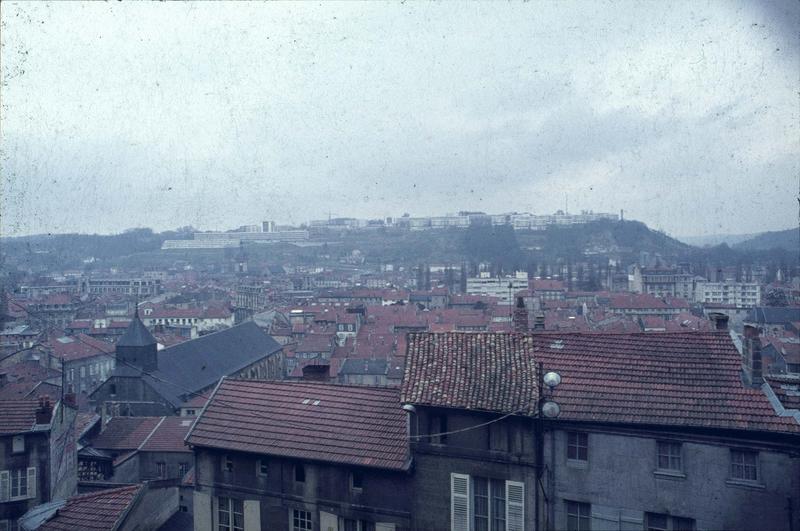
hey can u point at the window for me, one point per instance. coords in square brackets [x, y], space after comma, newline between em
[161, 470]
[112, 388]
[347, 524]
[183, 468]
[744, 465]
[18, 444]
[17, 484]
[301, 520]
[300, 473]
[665, 522]
[669, 456]
[579, 516]
[488, 504]
[484, 504]
[577, 446]
[437, 428]
[262, 468]
[356, 480]
[230, 514]
[83, 371]
[227, 464]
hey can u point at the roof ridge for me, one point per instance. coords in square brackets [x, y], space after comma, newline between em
[155, 428]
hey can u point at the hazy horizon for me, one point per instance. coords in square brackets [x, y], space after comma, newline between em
[215, 115]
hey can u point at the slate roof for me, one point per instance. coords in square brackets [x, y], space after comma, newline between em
[17, 416]
[136, 335]
[676, 379]
[769, 315]
[352, 425]
[100, 511]
[198, 364]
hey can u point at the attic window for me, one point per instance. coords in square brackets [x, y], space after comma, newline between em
[316, 402]
[557, 344]
[306, 401]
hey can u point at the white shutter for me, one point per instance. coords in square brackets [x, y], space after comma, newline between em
[515, 506]
[31, 482]
[5, 493]
[328, 521]
[459, 502]
[252, 515]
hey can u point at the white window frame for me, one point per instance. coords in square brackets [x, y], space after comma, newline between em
[462, 513]
[306, 518]
[20, 476]
[228, 507]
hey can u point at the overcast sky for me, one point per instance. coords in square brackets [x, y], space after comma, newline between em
[118, 115]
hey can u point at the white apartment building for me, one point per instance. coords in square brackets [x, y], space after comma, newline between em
[741, 294]
[503, 288]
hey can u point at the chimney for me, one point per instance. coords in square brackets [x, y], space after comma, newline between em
[538, 322]
[45, 412]
[751, 354]
[315, 373]
[520, 318]
[720, 320]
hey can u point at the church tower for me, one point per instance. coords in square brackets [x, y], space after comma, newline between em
[137, 346]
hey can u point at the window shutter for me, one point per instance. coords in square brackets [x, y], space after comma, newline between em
[459, 502]
[4, 486]
[515, 506]
[32, 482]
[252, 515]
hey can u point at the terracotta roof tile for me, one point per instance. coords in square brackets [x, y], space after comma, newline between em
[690, 379]
[100, 511]
[17, 416]
[354, 425]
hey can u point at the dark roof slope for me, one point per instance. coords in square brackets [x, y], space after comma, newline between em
[770, 315]
[100, 510]
[354, 425]
[192, 366]
[200, 363]
[677, 379]
[136, 335]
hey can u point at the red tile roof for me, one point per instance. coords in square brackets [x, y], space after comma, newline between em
[168, 435]
[17, 416]
[354, 425]
[125, 433]
[99, 511]
[686, 379]
[80, 346]
[471, 371]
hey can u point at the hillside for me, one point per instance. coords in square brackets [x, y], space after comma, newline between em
[788, 239]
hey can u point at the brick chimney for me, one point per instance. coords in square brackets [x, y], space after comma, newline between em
[720, 320]
[45, 412]
[751, 357]
[520, 318]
